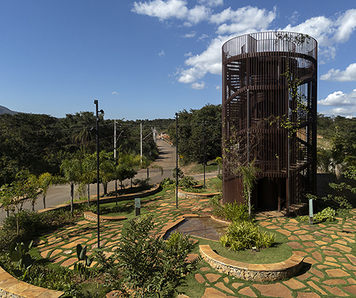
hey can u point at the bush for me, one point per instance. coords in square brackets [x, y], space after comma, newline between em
[327, 214]
[230, 211]
[167, 183]
[245, 235]
[187, 182]
[149, 264]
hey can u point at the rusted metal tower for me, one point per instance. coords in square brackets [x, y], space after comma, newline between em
[269, 113]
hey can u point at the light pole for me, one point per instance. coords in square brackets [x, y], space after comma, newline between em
[97, 168]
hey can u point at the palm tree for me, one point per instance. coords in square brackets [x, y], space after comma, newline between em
[72, 171]
[45, 180]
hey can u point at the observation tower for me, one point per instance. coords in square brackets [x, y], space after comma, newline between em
[269, 117]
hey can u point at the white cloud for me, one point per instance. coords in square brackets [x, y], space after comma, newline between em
[161, 54]
[294, 18]
[211, 2]
[242, 20]
[319, 28]
[339, 98]
[115, 93]
[198, 86]
[347, 75]
[189, 35]
[207, 62]
[346, 24]
[162, 9]
[197, 14]
[232, 22]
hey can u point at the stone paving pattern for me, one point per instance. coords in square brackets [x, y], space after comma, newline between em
[329, 266]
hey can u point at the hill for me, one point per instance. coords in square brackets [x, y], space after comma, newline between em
[4, 110]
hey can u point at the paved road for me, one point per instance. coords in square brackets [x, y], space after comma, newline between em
[59, 194]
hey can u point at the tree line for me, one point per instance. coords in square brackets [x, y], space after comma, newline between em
[199, 132]
[39, 143]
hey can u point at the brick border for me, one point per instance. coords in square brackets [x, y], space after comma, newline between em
[253, 272]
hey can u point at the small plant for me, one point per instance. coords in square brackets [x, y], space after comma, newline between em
[230, 211]
[245, 235]
[167, 183]
[327, 214]
[187, 182]
[19, 253]
[81, 267]
[180, 173]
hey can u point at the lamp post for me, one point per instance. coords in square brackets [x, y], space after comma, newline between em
[97, 169]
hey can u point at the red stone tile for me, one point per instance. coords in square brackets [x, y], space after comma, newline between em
[336, 281]
[350, 289]
[199, 278]
[304, 276]
[212, 277]
[294, 284]
[307, 295]
[342, 247]
[237, 284]
[295, 245]
[306, 237]
[317, 256]
[335, 291]
[247, 291]
[274, 290]
[213, 293]
[314, 286]
[221, 286]
[336, 273]
[316, 272]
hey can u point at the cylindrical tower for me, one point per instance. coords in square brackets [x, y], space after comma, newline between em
[269, 113]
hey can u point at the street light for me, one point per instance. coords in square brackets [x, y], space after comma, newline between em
[97, 168]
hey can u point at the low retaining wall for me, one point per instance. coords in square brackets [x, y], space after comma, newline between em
[254, 272]
[88, 215]
[11, 287]
[195, 195]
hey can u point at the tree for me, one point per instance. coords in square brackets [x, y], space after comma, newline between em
[72, 170]
[45, 180]
[249, 177]
[197, 127]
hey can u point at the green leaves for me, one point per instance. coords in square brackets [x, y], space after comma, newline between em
[81, 267]
[245, 235]
[149, 265]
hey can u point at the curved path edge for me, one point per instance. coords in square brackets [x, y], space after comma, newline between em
[253, 272]
[11, 287]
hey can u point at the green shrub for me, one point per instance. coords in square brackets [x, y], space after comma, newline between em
[230, 211]
[217, 208]
[245, 235]
[327, 214]
[149, 264]
[167, 183]
[187, 182]
[236, 212]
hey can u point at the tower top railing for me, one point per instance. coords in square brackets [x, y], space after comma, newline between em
[270, 41]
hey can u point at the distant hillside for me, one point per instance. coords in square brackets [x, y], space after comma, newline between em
[4, 110]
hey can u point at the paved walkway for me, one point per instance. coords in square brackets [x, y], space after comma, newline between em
[329, 270]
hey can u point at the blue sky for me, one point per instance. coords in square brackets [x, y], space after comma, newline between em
[150, 59]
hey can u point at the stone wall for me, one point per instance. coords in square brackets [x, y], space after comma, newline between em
[253, 272]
